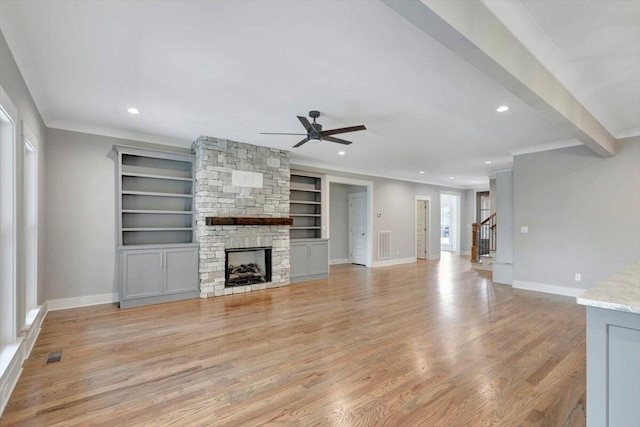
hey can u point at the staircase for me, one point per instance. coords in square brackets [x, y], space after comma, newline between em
[483, 249]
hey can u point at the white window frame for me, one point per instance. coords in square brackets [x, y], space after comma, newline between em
[8, 216]
[30, 223]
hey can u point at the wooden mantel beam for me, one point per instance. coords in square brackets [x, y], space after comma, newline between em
[217, 220]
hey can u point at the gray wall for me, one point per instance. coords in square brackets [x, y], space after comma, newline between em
[14, 85]
[339, 219]
[503, 265]
[395, 200]
[492, 194]
[582, 212]
[81, 213]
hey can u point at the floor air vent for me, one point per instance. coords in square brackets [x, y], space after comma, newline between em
[54, 357]
[384, 244]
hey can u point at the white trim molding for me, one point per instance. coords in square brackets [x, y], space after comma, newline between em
[120, 134]
[548, 289]
[397, 261]
[340, 261]
[62, 303]
[545, 147]
[13, 356]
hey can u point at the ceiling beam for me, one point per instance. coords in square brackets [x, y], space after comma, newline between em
[471, 31]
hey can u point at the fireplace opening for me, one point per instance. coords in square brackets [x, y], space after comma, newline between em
[247, 266]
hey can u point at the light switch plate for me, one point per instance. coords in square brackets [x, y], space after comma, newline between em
[524, 229]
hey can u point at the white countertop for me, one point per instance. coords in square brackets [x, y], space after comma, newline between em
[620, 292]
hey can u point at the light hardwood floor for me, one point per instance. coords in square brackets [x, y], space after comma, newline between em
[433, 343]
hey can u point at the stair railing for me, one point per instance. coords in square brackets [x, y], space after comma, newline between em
[483, 236]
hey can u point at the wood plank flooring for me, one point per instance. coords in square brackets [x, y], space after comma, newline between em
[433, 343]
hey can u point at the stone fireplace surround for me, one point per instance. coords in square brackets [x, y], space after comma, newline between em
[215, 196]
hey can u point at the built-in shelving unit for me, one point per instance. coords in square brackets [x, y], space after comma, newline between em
[156, 197]
[157, 255]
[305, 201]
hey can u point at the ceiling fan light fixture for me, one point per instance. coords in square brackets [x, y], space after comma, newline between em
[314, 140]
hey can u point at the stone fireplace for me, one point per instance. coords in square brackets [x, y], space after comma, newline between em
[234, 179]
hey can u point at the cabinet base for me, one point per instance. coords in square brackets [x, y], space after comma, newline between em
[131, 303]
[309, 278]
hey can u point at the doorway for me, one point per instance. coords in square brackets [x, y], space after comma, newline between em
[422, 227]
[358, 228]
[450, 222]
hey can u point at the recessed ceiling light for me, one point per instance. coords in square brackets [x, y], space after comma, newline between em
[473, 182]
[421, 172]
[133, 110]
[341, 153]
[488, 162]
[502, 109]
[451, 177]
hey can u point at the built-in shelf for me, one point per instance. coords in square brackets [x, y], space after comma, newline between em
[154, 194]
[161, 212]
[305, 189]
[159, 229]
[305, 203]
[146, 175]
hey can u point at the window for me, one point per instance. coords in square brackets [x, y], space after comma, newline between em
[30, 215]
[8, 327]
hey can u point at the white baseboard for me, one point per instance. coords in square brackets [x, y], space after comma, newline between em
[62, 303]
[388, 262]
[548, 289]
[340, 261]
[434, 257]
[14, 355]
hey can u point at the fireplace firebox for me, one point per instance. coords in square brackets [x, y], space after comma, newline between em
[247, 266]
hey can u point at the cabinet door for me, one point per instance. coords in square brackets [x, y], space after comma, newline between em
[318, 258]
[299, 259]
[181, 269]
[142, 274]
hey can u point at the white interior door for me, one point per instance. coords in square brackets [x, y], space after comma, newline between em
[358, 228]
[422, 219]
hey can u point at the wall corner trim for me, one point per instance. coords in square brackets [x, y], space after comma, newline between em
[548, 289]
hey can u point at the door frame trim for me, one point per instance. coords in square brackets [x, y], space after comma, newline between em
[350, 196]
[332, 179]
[458, 219]
[415, 225]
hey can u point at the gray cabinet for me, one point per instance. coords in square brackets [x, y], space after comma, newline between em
[159, 274]
[157, 256]
[309, 259]
[613, 368]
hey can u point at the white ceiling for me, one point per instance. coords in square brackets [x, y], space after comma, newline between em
[232, 69]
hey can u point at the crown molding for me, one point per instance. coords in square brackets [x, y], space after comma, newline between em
[545, 147]
[115, 133]
[318, 165]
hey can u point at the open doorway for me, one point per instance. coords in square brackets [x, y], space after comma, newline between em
[423, 227]
[349, 222]
[450, 222]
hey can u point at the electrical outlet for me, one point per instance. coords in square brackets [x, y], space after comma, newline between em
[524, 229]
[397, 252]
[578, 277]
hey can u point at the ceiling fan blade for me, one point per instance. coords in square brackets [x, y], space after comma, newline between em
[338, 140]
[280, 133]
[342, 130]
[305, 122]
[301, 142]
